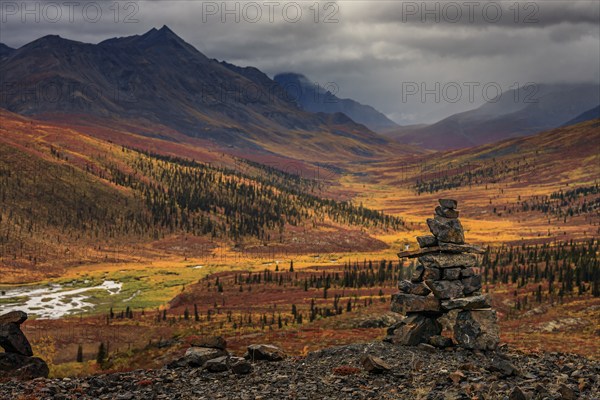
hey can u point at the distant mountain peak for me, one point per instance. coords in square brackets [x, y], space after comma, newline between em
[166, 29]
[51, 41]
[291, 76]
[313, 97]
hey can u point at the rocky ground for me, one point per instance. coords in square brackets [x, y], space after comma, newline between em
[338, 373]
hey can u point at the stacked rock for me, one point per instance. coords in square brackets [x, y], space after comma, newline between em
[17, 361]
[443, 284]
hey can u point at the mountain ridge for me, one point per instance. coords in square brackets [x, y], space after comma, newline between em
[522, 112]
[312, 97]
[158, 82]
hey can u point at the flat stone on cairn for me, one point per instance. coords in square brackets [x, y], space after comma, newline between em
[11, 337]
[444, 280]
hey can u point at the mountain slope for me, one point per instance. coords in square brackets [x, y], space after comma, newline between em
[64, 193]
[314, 98]
[5, 51]
[156, 83]
[561, 157]
[520, 112]
[594, 113]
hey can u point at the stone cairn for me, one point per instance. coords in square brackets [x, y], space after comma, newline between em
[444, 287]
[17, 361]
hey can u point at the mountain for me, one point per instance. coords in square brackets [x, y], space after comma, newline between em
[594, 113]
[312, 97]
[561, 156]
[5, 51]
[516, 113]
[157, 85]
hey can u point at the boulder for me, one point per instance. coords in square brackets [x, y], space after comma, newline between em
[211, 342]
[13, 340]
[446, 229]
[198, 356]
[440, 341]
[219, 364]
[408, 287]
[414, 329]
[467, 303]
[471, 284]
[18, 366]
[240, 365]
[448, 203]
[467, 272]
[427, 241]
[410, 303]
[374, 365]
[451, 274]
[448, 260]
[13, 317]
[445, 289]
[477, 329]
[446, 212]
[264, 352]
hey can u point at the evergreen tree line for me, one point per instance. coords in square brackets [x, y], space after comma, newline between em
[49, 207]
[564, 268]
[446, 178]
[565, 204]
[202, 199]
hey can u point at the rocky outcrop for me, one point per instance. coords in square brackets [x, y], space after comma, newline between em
[210, 354]
[415, 373]
[14, 365]
[18, 361]
[444, 284]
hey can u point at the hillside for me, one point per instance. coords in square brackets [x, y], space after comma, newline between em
[159, 86]
[516, 113]
[69, 197]
[538, 188]
[314, 98]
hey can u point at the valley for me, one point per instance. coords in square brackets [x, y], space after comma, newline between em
[177, 283]
[143, 224]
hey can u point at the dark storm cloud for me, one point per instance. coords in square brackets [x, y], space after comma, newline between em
[486, 13]
[370, 49]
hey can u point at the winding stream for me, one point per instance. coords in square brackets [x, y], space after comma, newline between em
[54, 301]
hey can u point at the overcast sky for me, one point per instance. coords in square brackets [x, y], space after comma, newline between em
[382, 53]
